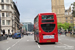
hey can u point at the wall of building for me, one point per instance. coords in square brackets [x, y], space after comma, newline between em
[28, 26]
[59, 9]
[9, 8]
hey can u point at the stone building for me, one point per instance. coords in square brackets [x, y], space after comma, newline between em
[27, 26]
[15, 18]
[9, 16]
[59, 9]
[62, 14]
[68, 15]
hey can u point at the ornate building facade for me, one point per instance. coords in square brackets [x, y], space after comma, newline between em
[59, 9]
[10, 16]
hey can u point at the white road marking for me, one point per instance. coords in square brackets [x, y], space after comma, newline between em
[27, 40]
[38, 45]
[70, 40]
[13, 45]
[8, 48]
[66, 45]
[60, 42]
[66, 39]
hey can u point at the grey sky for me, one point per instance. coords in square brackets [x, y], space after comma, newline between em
[30, 8]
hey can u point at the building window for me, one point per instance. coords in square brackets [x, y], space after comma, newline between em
[3, 22]
[2, 14]
[7, 14]
[2, 6]
[70, 17]
[66, 17]
[2, 0]
[8, 22]
[71, 22]
[7, 6]
[7, 0]
[66, 22]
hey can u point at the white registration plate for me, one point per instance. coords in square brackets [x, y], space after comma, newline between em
[48, 37]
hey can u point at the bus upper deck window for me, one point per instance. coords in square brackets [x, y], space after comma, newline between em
[47, 17]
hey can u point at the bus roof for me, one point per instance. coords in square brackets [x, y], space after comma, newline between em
[44, 13]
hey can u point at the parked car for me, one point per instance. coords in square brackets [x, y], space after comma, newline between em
[16, 35]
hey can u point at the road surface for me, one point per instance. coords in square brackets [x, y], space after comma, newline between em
[28, 43]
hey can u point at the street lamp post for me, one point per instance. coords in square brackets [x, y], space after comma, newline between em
[0, 21]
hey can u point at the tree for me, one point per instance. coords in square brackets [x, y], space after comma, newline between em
[64, 26]
[59, 25]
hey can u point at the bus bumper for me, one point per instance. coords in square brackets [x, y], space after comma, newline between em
[48, 41]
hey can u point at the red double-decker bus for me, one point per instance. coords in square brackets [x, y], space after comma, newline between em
[45, 28]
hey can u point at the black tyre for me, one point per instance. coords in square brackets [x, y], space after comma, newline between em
[53, 43]
[20, 37]
[12, 38]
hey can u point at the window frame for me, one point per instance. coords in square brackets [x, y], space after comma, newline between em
[43, 18]
[7, 14]
[7, 0]
[3, 14]
[71, 21]
[2, 0]
[66, 18]
[36, 19]
[2, 6]
[8, 22]
[3, 22]
[7, 7]
[70, 17]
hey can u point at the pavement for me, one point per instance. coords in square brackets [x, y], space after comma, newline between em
[28, 43]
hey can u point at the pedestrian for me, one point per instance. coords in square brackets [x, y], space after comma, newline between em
[65, 32]
[3, 31]
[60, 33]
